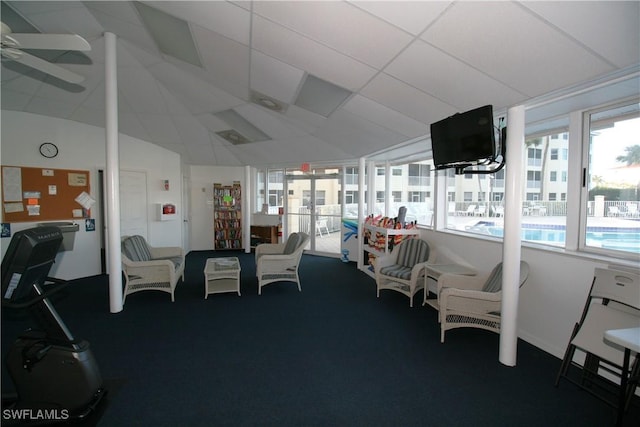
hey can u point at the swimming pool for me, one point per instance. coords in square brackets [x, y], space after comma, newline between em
[615, 239]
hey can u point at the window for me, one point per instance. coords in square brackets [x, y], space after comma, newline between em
[380, 196]
[419, 174]
[351, 197]
[351, 176]
[533, 179]
[396, 196]
[534, 155]
[613, 181]
[418, 196]
[276, 176]
[260, 186]
[396, 172]
[544, 217]
[275, 198]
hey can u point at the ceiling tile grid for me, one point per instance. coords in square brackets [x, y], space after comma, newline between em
[406, 63]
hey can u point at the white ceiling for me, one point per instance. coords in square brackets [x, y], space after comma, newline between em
[408, 64]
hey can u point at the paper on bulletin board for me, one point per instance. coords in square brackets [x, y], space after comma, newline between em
[13, 207]
[77, 179]
[85, 200]
[12, 184]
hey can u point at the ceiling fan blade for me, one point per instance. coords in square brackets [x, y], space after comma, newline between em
[46, 67]
[50, 41]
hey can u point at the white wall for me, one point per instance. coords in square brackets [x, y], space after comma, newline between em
[83, 147]
[552, 299]
[202, 180]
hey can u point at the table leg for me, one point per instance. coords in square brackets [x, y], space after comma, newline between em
[622, 400]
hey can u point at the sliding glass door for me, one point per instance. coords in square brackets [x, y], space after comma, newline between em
[314, 207]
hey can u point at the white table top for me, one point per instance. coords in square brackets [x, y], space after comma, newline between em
[627, 338]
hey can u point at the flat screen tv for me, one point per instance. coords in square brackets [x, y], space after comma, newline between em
[464, 138]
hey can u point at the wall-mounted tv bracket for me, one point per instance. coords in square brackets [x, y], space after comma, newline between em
[462, 168]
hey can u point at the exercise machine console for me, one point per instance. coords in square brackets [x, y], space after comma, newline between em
[54, 374]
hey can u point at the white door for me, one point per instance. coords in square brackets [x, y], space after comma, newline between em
[186, 213]
[134, 217]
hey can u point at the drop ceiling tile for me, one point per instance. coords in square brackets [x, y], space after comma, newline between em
[12, 100]
[96, 100]
[141, 91]
[91, 116]
[201, 155]
[191, 131]
[411, 16]
[69, 20]
[131, 56]
[159, 127]
[356, 135]
[618, 43]
[340, 26]
[303, 119]
[212, 123]
[174, 107]
[406, 99]
[384, 116]
[129, 124]
[196, 95]
[225, 18]
[121, 10]
[50, 108]
[224, 59]
[133, 32]
[269, 122]
[448, 79]
[518, 49]
[274, 78]
[306, 54]
[224, 157]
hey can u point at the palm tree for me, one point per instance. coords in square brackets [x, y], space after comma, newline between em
[632, 157]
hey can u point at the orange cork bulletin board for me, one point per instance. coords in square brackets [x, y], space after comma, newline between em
[44, 194]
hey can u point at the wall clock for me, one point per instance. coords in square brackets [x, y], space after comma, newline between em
[48, 149]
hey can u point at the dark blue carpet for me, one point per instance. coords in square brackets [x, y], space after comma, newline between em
[331, 355]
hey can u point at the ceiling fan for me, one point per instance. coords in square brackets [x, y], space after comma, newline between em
[11, 46]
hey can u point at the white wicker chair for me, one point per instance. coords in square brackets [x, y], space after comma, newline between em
[404, 269]
[473, 301]
[147, 268]
[279, 262]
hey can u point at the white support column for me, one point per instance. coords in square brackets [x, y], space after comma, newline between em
[361, 177]
[112, 174]
[512, 238]
[387, 188]
[371, 186]
[246, 210]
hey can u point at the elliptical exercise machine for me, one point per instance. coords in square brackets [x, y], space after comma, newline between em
[56, 376]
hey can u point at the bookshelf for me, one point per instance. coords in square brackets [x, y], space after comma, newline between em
[227, 207]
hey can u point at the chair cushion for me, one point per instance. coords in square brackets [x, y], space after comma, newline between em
[136, 248]
[397, 271]
[412, 252]
[494, 282]
[292, 244]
